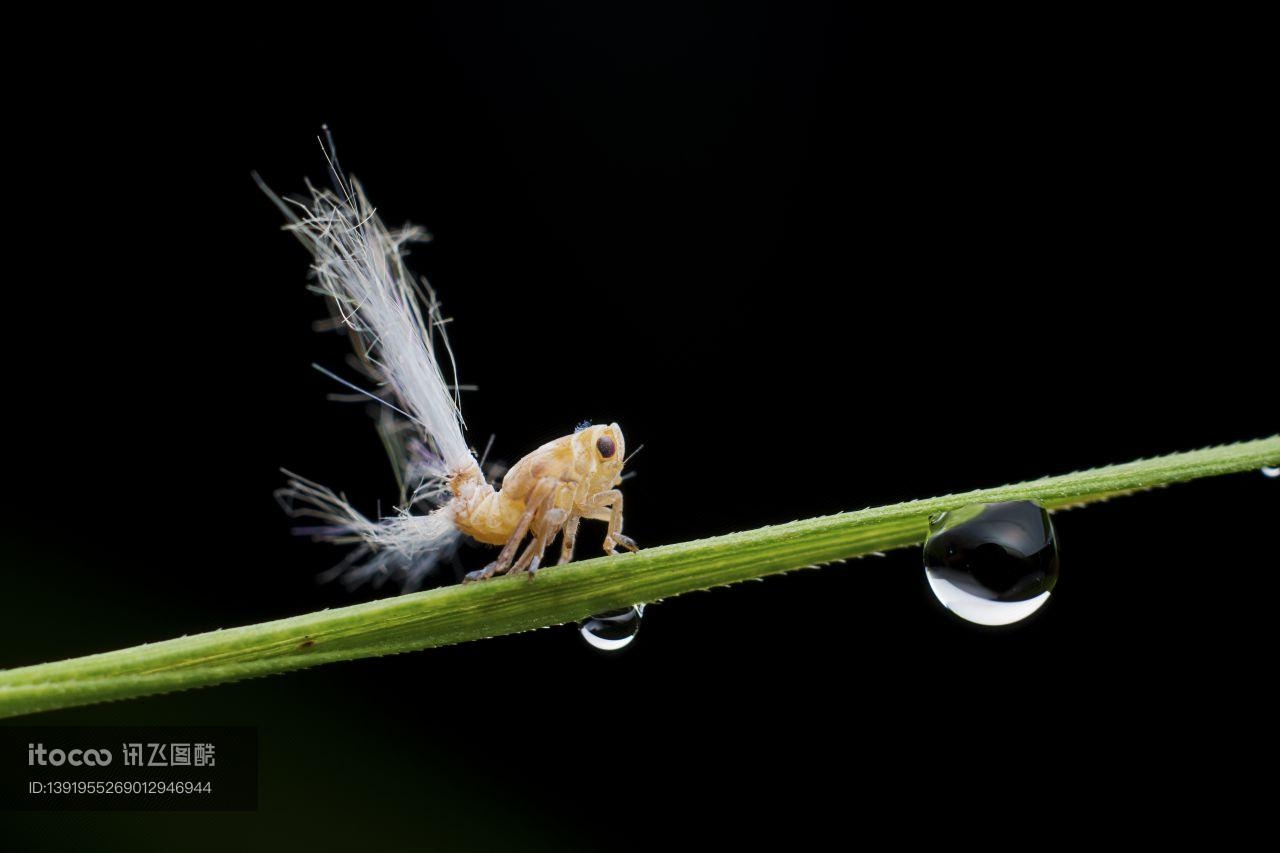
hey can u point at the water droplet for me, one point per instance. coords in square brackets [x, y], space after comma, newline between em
[612, 631]
[1272, 471]
[992, 564]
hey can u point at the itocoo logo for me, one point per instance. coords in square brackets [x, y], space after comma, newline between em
[37, 754]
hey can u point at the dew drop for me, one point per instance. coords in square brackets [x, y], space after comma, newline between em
[992, 564]
[1271, 471]
[612, 631]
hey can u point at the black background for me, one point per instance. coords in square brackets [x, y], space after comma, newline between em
[812, 259]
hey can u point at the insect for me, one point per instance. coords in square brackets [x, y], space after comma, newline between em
[394, 320]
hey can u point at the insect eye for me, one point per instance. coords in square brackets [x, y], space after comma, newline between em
[606, 446]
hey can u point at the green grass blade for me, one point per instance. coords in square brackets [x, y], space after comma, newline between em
[457, 614]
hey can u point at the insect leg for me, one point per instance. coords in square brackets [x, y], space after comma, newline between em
[508, 552]
[570, 536]
[612, 500]
[544, 530]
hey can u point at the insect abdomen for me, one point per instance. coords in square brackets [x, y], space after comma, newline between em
[488, 516]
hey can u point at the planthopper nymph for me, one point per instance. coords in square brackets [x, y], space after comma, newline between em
[396, 328]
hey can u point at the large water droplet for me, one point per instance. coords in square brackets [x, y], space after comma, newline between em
[612, 631]
[1271, 471]
[992, 564]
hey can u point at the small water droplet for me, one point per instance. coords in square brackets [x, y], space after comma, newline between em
[612, 631]
[992, 564]
[1271, 471]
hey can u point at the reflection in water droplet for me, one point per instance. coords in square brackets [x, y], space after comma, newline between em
[612, 631]
[993, 564]
[1271, 471]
